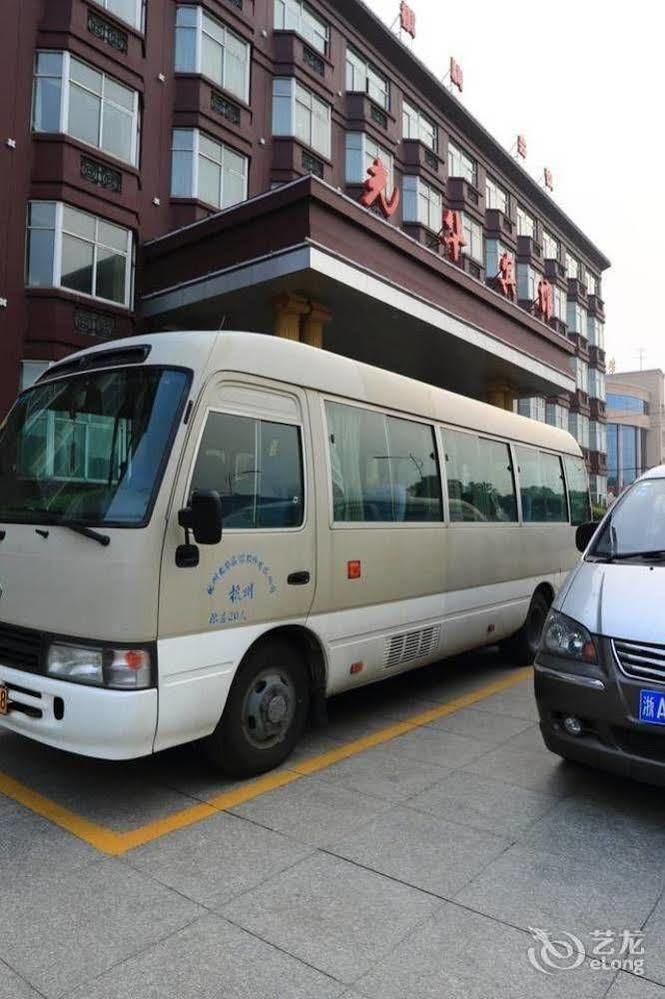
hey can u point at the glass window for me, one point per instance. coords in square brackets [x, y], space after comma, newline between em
[460, 164]
[494, 250]
[495, 196]
[526, 225]
[131, 11]
[384, 469]
[362, 77]
[422, 203]
[572, 266]
[473, 234]
[591, 283]
[416, 125]
[541, 487]
[73, 98]
[550, 246]
[299, 112]
[560, 303]
[94, 258]
[578, 426]
[206, 169]
[577, 319]
[527, 283]
[481, 484]
[294, 15]
[556, 415]
[578, 490]
[256, 467]
[361, 151]
[205, 45]
[596, 384]
[89, 449]
[627, 403]
[533, 408]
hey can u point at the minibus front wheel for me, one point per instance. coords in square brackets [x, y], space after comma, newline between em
[265, 713]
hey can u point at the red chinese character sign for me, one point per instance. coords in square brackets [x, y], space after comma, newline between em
[452, 235]
[506, 276]
[548, 178]
[407, 19]
[374, 190]
[545, 300]
[456, 75]
[521, 146]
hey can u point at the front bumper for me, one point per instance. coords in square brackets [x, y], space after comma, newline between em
[606, 701]
[106, 724]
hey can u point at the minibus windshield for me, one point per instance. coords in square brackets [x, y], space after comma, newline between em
[636, 526]
[89, 449]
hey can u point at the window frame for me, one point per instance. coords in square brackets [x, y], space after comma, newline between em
[294, 84]
[478, 435]
[138, 24]
[418, 117]
[555, 454]
[475, 229]
[386, 158]
[367, 68]
[196, 154]
[198, 50]
[522, 213]
[303, 7]
[492, 186]
[65, 91]
[454, 149]
[411, 187]
[262, 418]
[58, 232]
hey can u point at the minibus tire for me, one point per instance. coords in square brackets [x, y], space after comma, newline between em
[523, 645]
[273, 666]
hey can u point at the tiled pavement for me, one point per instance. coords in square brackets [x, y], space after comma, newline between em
[410, 871]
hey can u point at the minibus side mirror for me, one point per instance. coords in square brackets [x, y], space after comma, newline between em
[203, 517]
[584, 534]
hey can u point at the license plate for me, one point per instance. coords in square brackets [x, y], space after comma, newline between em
[4, 700]
[652, 707]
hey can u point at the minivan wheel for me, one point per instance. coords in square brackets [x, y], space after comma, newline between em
[523, 645]
[265, 713]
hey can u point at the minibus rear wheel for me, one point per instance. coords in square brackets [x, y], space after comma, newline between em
[265, 713]
[523, 646]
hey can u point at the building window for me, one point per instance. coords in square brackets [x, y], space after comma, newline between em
[598, 436]
[626, 455]
[526, 225]
[527, 283]
[495, 196]
[572, 267]
[533, 408]
[362, 77]
[294, 15]
[298, 112]
[627, 404]
[31, 371]
[578, 426]
[205, 169]
[591, 283]
[361, 151]
[581, 373]
[596, 384]
[68, 248]
[494, 250]
[556, 415]
[473, 234]
[560, 303]
[550, 246]
[577, 319]
[422, 203]
[596, 332]
[598, 487]
[206, 46]
[72, 98]
[131, 11]
[416, 125]
[460, 165]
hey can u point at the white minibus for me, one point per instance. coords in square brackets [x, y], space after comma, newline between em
[203, 535]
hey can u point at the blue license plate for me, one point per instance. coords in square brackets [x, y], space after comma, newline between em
[652, 707]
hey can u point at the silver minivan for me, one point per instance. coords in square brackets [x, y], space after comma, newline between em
[600, 671]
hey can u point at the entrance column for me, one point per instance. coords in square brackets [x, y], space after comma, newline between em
[313, 323]
[288, 311]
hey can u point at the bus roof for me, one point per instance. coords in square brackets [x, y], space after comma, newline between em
[333, 374]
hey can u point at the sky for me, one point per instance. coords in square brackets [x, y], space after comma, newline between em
[584, 82]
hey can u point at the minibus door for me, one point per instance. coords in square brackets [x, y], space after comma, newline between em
[250, 442]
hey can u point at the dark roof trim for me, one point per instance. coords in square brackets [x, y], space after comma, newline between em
[380, 35]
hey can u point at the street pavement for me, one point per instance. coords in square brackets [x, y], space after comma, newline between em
[417, 867]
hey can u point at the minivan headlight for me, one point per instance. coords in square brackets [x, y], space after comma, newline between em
[564, 637]
[118, 669]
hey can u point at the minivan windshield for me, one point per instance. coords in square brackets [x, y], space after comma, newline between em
[636, 526]
[89, 449]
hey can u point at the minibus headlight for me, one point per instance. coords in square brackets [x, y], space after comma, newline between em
[119, 669]
[564, 637]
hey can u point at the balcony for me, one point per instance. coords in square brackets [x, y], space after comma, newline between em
[556, 272]
[94, 26]
[577, 291]
[499, 226]
[420, 159]
[464, 197]
[529, 251]
[558, 324]
[362, 111]
[473, 268]
[597, 357]
[294, 57]
[199, 104]
[598, 409]
[291, 159]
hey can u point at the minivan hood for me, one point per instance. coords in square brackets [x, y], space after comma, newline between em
[618, 600]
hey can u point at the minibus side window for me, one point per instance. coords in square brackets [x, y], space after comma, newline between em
[578, 491]
[384, 469]
[542, 487]
[256, 467]
[481, 484]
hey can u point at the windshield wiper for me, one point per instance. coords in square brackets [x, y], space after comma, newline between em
[657, 553]
[87, 532]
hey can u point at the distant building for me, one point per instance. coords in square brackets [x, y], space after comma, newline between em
[635, 416]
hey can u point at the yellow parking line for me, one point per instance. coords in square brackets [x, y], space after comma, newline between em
[116, 843]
